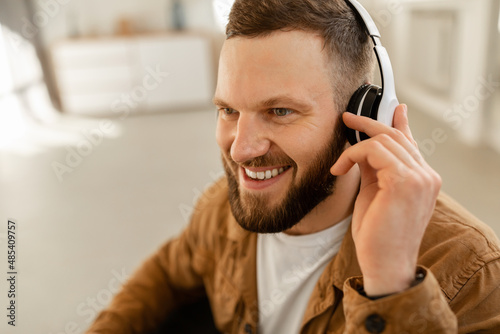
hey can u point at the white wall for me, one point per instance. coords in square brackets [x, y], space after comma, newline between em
[56, 19]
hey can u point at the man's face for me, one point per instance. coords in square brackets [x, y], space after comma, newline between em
[278, 129]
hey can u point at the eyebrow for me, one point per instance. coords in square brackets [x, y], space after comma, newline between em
[280, 100]
[219, 102]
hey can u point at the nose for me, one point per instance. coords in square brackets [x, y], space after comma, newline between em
[251, 139]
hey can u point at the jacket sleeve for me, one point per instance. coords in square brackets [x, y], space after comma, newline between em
[165, 281]
[420, 309]
[477, 305]
[425, 308]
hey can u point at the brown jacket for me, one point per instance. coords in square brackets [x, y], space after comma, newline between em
[459, 256]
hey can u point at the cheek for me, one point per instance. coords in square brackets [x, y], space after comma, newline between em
[303, 157]
[299, 149]
[305, 147]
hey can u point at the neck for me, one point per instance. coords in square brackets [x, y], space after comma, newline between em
[333, 209]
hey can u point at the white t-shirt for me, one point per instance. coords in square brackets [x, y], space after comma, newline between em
[288, 268]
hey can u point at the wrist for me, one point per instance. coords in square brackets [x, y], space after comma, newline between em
[379, 288]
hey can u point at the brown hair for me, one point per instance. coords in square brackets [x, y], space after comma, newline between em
[346, 42]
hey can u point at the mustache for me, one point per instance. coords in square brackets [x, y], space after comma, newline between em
[269, 159]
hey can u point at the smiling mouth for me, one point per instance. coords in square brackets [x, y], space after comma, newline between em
[265, 174]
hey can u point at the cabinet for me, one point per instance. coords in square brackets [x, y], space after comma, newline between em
[98, 76]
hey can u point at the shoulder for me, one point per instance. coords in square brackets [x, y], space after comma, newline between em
[213, 202]
[457, 246]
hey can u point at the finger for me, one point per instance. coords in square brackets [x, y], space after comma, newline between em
[373, 128]
[372, 153]
[400, 152]
[401, 122]
[407, 161]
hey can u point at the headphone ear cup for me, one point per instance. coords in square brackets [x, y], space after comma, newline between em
[364, 102]
[352, 107]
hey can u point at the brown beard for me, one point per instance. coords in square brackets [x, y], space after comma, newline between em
[253, 212]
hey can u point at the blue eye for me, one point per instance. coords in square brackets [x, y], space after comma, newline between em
[282, 111]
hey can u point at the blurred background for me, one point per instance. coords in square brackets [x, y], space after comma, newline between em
[107, 130]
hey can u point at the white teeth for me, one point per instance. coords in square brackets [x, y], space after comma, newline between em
[251, 174]
[264, 175]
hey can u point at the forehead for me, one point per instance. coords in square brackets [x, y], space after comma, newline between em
[291, 63]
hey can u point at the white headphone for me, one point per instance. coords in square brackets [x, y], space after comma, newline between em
[370, 100]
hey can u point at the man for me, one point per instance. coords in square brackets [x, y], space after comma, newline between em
[307, 234]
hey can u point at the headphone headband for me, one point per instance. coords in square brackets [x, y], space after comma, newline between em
[367, 19]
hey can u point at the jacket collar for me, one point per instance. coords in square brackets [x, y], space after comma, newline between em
[345, 264]
[245, 252]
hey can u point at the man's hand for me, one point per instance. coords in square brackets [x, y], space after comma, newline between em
[396, 199]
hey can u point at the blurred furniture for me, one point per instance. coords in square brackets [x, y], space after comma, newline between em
[133, 73]
[444, 54]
